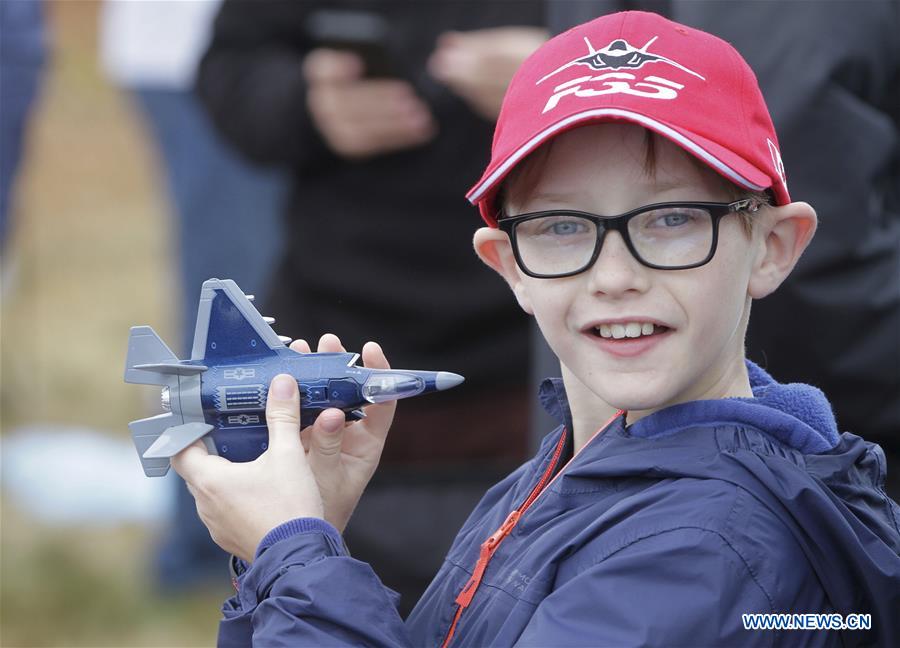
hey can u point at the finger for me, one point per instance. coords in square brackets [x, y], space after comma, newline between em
[300, 346]
[373, 356]
[327, 66]
[453, 62]
[354, 146]
[449, 38]
[369, 101]
[379, 417]
[326, 436]
[369, 117]
[378, 420]
[392, 131]
[330, 343]
[387, 106]
[190, 462]
[283, 414]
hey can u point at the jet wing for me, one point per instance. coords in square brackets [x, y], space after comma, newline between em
[175, 439]
[228, 325]
[173, 368]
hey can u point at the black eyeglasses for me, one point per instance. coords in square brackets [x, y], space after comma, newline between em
[665, 236]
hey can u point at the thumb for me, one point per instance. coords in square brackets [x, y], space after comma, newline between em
[191, 462]
[283, 413]
[326, 436]
[332, 66]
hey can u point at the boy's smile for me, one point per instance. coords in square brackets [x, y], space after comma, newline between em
[627, 337]
[637, 338]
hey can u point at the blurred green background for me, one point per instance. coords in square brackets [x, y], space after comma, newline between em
[88, 258]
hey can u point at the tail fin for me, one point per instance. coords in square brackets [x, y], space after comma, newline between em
[228, 325]
[146, 348]
[160, 437]
[145, 432]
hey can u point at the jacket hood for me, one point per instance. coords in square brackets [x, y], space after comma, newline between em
[783, 447]
[795, 414]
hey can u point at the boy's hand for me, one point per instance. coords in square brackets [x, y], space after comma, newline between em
[319, 473]
[478, 65]
[241, 502]
[358, 117]
[343, 457]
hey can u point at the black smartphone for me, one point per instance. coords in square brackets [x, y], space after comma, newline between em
[365, 33]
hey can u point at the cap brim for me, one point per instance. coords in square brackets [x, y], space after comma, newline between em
[731, 166]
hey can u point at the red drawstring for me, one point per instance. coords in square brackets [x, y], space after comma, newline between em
[489, 546]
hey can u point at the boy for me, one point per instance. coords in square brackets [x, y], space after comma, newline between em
[628, 192]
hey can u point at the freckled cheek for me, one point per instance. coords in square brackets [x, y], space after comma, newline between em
[715, 306]
[551, 304]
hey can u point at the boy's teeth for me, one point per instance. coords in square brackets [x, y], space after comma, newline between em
[629, 329]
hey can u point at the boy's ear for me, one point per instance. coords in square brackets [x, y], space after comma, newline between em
[787, 230]
[493, 247]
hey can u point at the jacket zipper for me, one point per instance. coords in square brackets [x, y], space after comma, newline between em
[489, 546]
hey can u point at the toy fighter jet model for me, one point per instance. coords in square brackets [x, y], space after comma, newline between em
[219, 395]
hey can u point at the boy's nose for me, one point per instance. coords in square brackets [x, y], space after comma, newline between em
[616, 271]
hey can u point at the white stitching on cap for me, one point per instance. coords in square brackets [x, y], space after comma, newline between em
[615, 112]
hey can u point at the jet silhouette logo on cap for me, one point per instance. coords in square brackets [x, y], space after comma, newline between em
[618, 55]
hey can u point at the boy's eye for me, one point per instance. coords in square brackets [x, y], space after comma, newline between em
[566, 227]
[673, 219]
[556, 226]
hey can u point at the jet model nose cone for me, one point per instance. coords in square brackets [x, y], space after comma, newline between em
[446, 380]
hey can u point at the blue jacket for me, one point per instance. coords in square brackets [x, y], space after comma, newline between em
[666, 531]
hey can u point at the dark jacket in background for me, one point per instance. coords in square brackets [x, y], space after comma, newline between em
[378, 249]
[830, 73]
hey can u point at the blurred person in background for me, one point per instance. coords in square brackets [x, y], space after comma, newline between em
[226, 211]
[383, 113]
[831, 75]
[23, 52]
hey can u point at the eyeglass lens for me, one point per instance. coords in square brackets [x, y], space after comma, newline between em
[564, 243]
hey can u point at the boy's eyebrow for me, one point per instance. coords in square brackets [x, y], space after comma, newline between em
[552, 196]
[570, 197]
[660, 186]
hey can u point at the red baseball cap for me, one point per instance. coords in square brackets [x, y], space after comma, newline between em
[638, 67]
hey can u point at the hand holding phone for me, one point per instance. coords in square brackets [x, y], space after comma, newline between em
[360, 117]
[478, 65]
[364, 33]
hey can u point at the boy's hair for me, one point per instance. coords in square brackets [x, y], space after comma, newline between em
[637, 67]
[515, 188]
